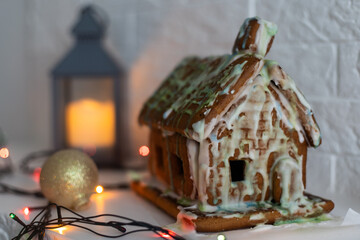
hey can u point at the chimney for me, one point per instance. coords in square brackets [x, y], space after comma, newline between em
[256, 36]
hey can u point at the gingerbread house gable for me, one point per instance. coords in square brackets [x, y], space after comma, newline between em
[257, 150]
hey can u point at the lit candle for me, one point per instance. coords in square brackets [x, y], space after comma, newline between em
[90, 123]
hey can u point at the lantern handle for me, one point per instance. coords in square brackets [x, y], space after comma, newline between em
[98, 13]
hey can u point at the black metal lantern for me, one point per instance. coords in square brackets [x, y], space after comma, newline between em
[87, 98]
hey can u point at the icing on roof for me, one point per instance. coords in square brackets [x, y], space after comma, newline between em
[255, 36]
[287, 86]
[195, 96]
[198, 89]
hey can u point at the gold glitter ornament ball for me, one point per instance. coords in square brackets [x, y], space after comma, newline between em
[68, 178]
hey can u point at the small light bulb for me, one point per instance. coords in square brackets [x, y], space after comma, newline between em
[144, 151]
[60, 230]
[164, 235]
[169, 235]
[36, 174]
[4, 153]
[99, 189]
[26, 211]
[221, 237]
[12, 215]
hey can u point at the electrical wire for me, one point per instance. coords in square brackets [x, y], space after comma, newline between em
[34, 156]
[4, 188]
[37, 228]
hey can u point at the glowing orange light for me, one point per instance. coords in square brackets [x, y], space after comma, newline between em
[99, 189]
[26, 211]
[36, 174]
[90, 123]
[60, 230]
[168, 235]
[4, 153]
[144, 151]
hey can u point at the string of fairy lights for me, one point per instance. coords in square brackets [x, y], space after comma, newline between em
[43, 220]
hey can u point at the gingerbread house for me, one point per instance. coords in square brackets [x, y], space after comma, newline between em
[233, 130]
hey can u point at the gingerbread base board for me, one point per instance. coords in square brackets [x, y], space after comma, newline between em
[204, 223]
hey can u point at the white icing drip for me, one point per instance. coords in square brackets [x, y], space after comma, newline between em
[167, 113]
[196, 127]
[290, 119]
[291, 180]
[193, 153]
[203, 161]
[285, 82]
[263, 36]
[257, 105]
[235, 215]
[257, 216]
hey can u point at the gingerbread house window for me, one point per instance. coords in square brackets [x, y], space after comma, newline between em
[177, 166]
[159, 157]
[237, 169]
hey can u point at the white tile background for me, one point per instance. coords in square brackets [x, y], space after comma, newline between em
[318, 44]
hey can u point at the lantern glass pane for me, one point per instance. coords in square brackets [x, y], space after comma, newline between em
[90, 113]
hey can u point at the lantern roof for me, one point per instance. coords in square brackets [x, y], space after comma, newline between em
[90, 24]
[88, 57]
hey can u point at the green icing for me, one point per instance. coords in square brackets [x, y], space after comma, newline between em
[317, 219]
[266, 31]
[134, 176]
[269, 30]
[194, 84]
[185, 201]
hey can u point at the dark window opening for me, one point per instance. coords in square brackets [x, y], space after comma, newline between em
[177, 166]
[237, 169]
[159, 157]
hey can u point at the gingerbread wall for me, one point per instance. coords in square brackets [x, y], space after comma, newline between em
[169, 162]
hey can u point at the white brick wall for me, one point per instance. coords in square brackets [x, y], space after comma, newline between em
[318, 44]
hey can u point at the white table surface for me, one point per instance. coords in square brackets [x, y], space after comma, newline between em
[127, 203]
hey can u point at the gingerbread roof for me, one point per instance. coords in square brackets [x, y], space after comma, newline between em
[201, 90]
